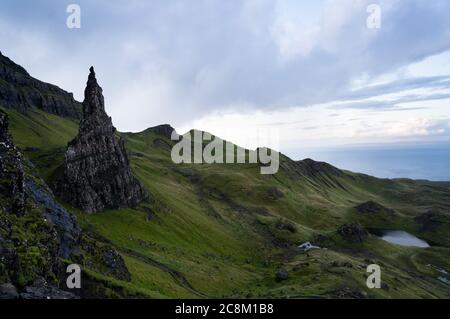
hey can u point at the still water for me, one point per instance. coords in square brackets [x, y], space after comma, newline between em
[403, 238]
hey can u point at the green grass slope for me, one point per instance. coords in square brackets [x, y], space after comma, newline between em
[225, 230]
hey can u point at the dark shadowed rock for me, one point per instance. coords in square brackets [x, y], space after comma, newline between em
[354, 233]
[281, 274]
[35, 232]
[11, 171]
[348, 293]
[65, 223]
[41, 290]
[103, 258]
[97, 173]
[8, 291]
[20, 91]
[31, 227]
[274, 193]
[372, 207]
[286, 225]
[337, 263]
[432, 220]
[115, 264]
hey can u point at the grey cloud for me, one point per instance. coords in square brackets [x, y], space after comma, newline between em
[309, 128]
[284, 123]
[173, 61]
[433, 82]
[392, 105]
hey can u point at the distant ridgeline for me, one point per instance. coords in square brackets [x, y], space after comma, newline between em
[20, 91]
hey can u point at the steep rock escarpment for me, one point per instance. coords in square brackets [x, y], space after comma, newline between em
[97, 173]
[65, 224]
[16, 189]
[20, 91]
[11, 171]
[29, 244]
[36, 232]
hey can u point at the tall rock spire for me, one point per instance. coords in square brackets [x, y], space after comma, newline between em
[97, 173]
[95, 121]
[94, 115]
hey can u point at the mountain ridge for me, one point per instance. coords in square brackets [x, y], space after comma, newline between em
[225, 230]
[19, 90]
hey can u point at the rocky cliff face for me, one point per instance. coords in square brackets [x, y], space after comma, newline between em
[11, 171]
[36, 232]
[16, 189]
[97, 173]
[20, 91]
[29, 244]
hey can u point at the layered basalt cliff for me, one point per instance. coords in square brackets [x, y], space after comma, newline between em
[97, 173]
[20, 91]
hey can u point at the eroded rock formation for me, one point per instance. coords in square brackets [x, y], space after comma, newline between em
[354, 233]
[97, 174]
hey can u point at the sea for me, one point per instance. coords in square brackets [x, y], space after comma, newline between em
[415, 161]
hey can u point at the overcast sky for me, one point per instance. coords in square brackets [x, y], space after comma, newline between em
[310, 70]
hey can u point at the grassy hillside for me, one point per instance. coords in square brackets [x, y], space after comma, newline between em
[42, 137]
[225, 230]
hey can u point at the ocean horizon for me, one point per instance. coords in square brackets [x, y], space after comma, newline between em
[414, 161]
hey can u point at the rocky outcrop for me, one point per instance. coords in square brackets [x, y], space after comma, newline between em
[103, 258]
[11, 171]
[8, 291]
[281, 275]
[69, 232]
[274, 193]
[434, 225]
[97, 173]
[20, 91]
[40, 289]
[29, 243]
[165, 130]
[15, 188]
[36, 232]
[283, 224]
[432, 220]
[349, 293]
[372, 207]
[353, 233]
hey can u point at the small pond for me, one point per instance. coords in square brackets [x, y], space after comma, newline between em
[402, 238]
